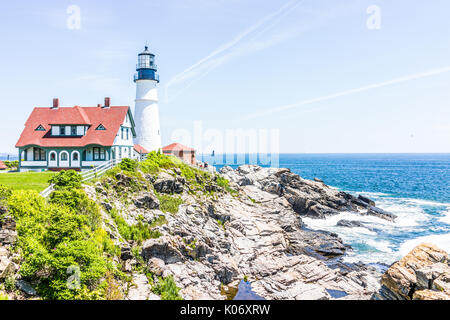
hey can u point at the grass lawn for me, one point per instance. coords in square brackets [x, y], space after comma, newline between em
[26, 180]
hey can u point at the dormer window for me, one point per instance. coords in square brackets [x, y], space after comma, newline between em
[62, 130]
[101, 127]
[40, 128]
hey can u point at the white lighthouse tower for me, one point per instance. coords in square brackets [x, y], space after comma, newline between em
[146, 112]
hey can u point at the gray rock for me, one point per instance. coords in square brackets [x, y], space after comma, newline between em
[141, 289]
[380, 213]
[162, 248]
[427, 276]
[147, 201]
[8, 233]
[108, 207]
[25, 287]
[125, 253]
[166, 183]
[156, 266]
[6, 267]
[367, 200]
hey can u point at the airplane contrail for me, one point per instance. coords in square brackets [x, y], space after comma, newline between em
[349, 92]
[206, 62]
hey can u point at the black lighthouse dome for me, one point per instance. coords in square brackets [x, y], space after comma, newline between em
[146, 67]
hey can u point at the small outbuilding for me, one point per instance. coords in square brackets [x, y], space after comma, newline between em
[140, 152]
[182, 152]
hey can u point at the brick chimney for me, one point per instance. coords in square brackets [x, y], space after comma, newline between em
[55, 103]
[107, 102]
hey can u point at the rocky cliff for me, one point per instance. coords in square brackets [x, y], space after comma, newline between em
[250, 229]
[423, 274]
[172, 231]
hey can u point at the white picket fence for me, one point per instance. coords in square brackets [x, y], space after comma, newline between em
[100, 170]
[87, 175]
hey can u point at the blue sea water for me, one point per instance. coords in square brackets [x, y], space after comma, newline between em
[415, 187]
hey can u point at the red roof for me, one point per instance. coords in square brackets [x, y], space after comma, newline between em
[111, 118]
[140, 149]
[177, 147]
[3, 166]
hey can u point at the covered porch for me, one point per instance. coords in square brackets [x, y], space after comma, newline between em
[35, 158]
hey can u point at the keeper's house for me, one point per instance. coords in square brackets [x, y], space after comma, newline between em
[77, 138]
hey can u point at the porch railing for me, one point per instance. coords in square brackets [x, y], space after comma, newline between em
[87, 175]
[100, 170]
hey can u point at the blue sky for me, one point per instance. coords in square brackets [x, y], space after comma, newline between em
[238, 64]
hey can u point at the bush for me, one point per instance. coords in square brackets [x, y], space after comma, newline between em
[10, 284]
[169, 203]
[128, 165]
[11, 164]
[224, 183]
[79, 202]
[5, 192]
[57, 235]
[138, 232]
[167, 289]
[66, 180]
[156, 161]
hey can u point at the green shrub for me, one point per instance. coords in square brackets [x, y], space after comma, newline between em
[10, 284]
[224, 183]
[79, 202]
[5, 192]
[161, 220]
[169, 203]
[11, 164]
[167, 289]
[66, 180]
[138, 232]
[57, 235]
[128, 165]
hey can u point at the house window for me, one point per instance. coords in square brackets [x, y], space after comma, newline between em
[121, 132]
[39, 154]
[40, 128]
[52, 156]
[73, 130]
[62, 130]
[99, 154]
[75, 156]
[127, 134]
[64, 156]
[101, 127]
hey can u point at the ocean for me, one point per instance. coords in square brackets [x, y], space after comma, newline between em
[415, 187]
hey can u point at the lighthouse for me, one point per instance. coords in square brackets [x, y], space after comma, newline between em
[146, 112]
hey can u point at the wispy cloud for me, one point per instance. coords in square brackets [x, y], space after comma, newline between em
[264, 34]
[236, 47]
[408, 78]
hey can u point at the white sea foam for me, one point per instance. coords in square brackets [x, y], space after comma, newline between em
[440, 240]
[446, 217]
[381, 244]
